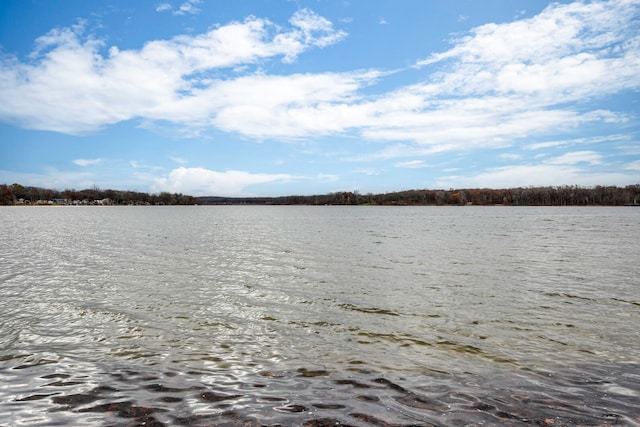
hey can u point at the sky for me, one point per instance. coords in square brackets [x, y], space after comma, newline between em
[286, 97]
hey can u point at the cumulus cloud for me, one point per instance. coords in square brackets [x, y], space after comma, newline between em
[291, 106]
[567, 51]
[504, 82]
[68, 86]
[498, 84]
[205, 182]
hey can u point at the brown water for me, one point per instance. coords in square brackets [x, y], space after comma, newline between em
[362, 316]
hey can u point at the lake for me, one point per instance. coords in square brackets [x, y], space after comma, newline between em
[319, 316]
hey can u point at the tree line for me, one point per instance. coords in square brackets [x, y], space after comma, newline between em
[571, 195]
[528, 196]
[18, 194]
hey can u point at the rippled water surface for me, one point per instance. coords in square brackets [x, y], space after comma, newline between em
[319, 316]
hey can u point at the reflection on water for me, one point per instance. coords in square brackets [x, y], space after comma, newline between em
[585, 395]
[319, 316]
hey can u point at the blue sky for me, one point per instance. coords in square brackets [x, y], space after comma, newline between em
[271, 98]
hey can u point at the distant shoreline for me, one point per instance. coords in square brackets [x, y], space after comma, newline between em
[629, 196]
[311, 205]
[530, 196]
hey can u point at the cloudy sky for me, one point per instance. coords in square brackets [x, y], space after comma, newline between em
[277, 97]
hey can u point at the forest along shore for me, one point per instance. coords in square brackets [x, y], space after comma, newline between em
[17, 194]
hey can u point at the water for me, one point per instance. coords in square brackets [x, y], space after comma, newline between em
[319, 316]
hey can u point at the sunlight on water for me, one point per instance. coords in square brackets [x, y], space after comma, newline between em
[319, 316]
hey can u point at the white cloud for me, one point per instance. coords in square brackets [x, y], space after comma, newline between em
[317, 30]
[506, 82]
[51, 178]
[179, 160]
[510, 156]
[577, 141]
[69, 87]
[188, 6]
[324, 177]
[564, 53]
[288, 107]
[470, 123]
[138, 165]
[533, 175]
[574, 157]
[369, 171]
[634, 166]
[163, 7]
[499, 84]
[412, 164]
[206, 182]
[87, 162]
[572, 168]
